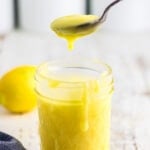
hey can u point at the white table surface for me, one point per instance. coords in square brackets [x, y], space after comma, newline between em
[129, 57]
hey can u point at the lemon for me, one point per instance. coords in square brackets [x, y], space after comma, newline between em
[17, 89]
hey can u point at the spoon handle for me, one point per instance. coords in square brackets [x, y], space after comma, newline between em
[104, 14]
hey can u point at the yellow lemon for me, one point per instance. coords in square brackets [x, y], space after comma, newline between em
[17, 89]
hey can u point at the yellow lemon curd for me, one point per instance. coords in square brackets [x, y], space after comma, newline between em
[65, 27]
[74, 111]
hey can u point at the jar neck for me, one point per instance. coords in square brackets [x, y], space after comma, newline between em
[54, 78]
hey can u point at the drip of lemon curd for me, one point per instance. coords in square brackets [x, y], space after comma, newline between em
[65, 27]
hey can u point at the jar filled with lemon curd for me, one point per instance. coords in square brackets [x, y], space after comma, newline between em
[74, 104]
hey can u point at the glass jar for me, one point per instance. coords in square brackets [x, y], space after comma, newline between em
[74, 104]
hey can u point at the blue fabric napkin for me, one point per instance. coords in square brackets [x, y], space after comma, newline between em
[8, 142]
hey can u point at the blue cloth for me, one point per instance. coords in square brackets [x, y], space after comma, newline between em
[8, 142]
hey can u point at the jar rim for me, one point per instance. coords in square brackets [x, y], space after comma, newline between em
[55, 64]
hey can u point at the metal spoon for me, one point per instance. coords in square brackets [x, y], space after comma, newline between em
[82, 29]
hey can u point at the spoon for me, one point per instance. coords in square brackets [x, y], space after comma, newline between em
[95, 23]
[73, 26]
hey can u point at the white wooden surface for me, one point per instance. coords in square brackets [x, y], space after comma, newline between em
[129, 57]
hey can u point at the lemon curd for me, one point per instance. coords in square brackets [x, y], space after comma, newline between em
[74, 103]
[65, 27]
